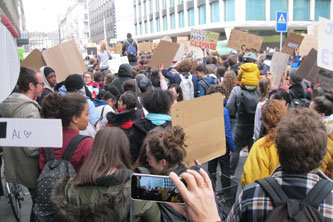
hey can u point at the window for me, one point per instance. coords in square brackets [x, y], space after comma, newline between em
[145, 8]
[150, 6]
[164, 4]
[165, 23]
[202, 15]
[181, 19]
[157, 5]
[151, 26]
[255, 9]
[230, 10]
[301, 10]
[191, 17]
[215, 12]
[180, 1]
[278, 6]
[86, 16]
[140, 11]
[158, 24]
[322, 8]
[134, 12]
[172, 3]
[146, 27]
[173, 21]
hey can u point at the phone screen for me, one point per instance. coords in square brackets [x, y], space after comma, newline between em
[154, 188]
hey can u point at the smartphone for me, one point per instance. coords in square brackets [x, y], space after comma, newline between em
[154, 188]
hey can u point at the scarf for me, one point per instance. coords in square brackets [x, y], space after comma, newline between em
[158, 119]
[46, 83]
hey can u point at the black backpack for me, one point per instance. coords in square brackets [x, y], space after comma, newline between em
[53, 171]
[287, 210]
[247, 106]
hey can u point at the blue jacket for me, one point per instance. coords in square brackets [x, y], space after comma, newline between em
[228, 133]
[175, 79]
[202, 87]
[294, 64]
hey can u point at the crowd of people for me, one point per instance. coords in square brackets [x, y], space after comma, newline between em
[287, 131]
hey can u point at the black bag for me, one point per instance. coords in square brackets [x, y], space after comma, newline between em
[247, 106]
[53, 171]
[287, 210]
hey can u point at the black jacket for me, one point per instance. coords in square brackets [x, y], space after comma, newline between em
[139, 131]
[124, 73]
[296, 91]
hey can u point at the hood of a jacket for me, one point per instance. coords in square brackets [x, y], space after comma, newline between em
[14, 103]
[112, 206]
[122, 116]
[125, 70]
[249, 67]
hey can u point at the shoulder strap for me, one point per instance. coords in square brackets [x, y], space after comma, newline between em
[273, 190]
[318, 193]
[101, 117]
[72, 146]
[203, 82]
[49, 154]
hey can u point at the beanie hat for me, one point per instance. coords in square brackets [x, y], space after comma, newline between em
[294, 78]
[144, 84]
[74, 82]
[48, 70]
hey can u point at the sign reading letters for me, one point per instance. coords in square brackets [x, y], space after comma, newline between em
[204, 39]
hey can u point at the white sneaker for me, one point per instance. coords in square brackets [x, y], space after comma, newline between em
[243, 153]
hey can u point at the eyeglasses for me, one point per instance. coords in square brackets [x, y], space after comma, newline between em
[41, 83]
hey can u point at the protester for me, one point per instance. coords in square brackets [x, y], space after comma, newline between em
[103, 57]
[93, 87]
[50, 81]
[101, 190]
[249, 72]
[130, 49]
[124, 73]
[23, 105]
[204, 81]
[296, 90]
[176, 92]
[110, 102]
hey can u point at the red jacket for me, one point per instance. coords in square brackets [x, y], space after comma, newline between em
[80, 154]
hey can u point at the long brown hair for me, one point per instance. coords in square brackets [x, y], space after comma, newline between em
[263, 89]
[110, 151]
[229, 82]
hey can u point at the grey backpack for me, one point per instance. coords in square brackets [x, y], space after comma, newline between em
[53, 171]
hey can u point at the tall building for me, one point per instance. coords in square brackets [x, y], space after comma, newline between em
[75, 24]
[157, 18]
[110, 20]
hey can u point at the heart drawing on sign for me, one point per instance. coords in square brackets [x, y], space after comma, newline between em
[27, 134]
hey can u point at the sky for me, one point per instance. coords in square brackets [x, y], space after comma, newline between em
[42, 15]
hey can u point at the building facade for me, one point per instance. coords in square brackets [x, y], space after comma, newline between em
[75, 24]
[157, 18]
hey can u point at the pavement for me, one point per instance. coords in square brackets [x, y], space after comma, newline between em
[6, 214]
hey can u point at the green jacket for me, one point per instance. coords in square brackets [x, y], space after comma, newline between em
[21, 163]
[108, 200]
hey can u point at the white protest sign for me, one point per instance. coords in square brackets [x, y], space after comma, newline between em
[9, 63]
[30, 132]
[278, 66]
[180, 53]
[325, 47]
[116, 62]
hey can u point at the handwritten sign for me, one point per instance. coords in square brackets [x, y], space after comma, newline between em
[30, 132]
[278, 66]
[116, 62]
[204, 39]
[309, 42]
[237, 39]
[292, 42]
[204, 134]
[325, 48]
[311, 72]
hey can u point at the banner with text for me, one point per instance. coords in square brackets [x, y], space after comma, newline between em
[204, 39]
[325, 48]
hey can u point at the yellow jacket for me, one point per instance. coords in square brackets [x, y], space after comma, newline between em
[249, 74]
[327, 165]
[260, 162]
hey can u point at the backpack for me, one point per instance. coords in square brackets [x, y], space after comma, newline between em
[53, 171]
[287, 210]
[187, 87]
[131, 50]
[247, 106]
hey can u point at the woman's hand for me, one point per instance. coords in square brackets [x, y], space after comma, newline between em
[199, 198]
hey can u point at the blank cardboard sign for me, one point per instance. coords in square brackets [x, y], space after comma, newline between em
[30, 132]
[144, 47]
[309, 42]
[163, 54]
[9, 63]
[292, 42]
[278, 66]
[204, 131]
[65, 59]
[238, 38]
[34, 60]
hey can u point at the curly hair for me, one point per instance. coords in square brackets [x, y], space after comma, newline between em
[301, 141]
[184, 66]
[157, 101]
[169, 145]
[271, 113]
[229, 82]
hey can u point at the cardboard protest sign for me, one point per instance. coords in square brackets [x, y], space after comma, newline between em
[30, 132]
[237, 39]
[204, 39]
[166, 38]
[182, 39]
[309, 42]
[312, 30]
[325, 48]
[278, 66]
[196, 52]
[119, 48]
[227, 32]
[144, 47]
[311, 72]
[292, 42]
[222, 48]
[116, 62]
[9, 63]
[34, 60]
[65, 59]
[204, 131]
[163, 54]
[180, 53]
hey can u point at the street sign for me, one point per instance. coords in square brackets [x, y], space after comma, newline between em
[281, 22]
